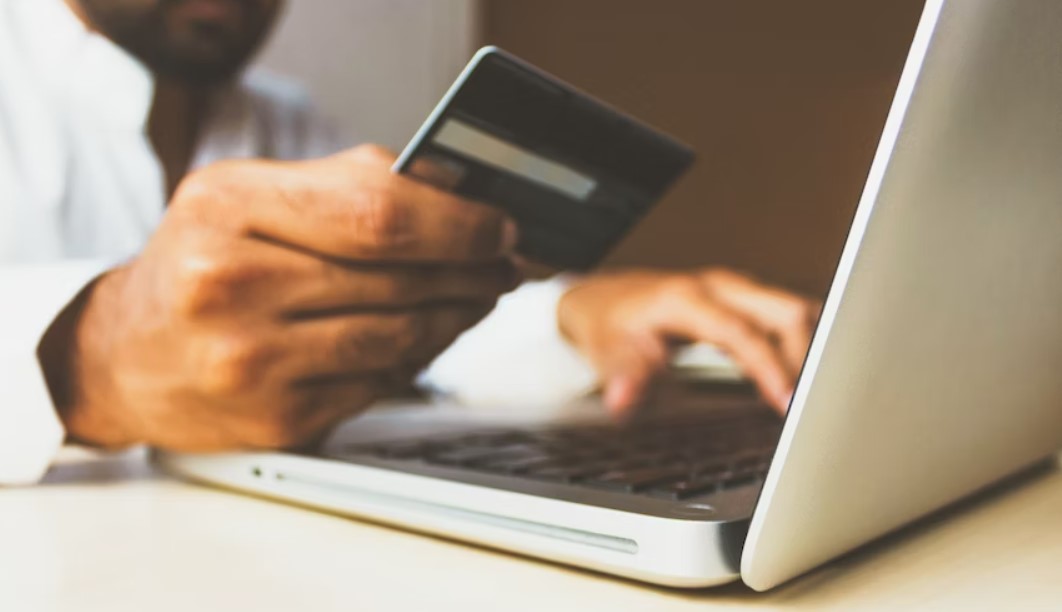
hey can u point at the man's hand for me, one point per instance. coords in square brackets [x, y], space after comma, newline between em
[276, 299]
[626, 323]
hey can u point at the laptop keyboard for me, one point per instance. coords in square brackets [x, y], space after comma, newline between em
[672, 460]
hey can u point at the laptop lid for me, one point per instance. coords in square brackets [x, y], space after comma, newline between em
[937, 365]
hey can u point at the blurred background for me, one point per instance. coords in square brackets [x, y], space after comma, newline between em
[783, 101]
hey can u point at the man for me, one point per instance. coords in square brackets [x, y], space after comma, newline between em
[151, 295]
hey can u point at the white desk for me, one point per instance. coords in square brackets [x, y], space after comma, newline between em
[112, 534]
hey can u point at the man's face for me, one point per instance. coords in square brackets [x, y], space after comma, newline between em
[201, 42]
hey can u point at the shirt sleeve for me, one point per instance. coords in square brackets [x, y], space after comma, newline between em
[516, 357]
[31, 297]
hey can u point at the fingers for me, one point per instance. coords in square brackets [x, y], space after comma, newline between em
[696, 317]
[774, 310]
[220, 276]
[266, 277]
[321, 286]
[628, 369]
[337, 288]
[349, 206]
[337, 347]
[610, 318]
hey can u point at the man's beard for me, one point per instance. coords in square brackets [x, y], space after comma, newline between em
[200, 52]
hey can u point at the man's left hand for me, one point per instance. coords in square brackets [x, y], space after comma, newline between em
[626, 323]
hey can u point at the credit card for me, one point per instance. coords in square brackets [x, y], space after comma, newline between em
[575, 174]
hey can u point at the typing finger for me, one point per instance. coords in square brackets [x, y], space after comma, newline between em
[787, 316]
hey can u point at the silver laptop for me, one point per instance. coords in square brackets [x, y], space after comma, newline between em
[935, 371]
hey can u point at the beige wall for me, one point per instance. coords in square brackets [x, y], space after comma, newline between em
[783, 101]
[377, 66]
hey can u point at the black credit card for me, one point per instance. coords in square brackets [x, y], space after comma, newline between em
[574, 173]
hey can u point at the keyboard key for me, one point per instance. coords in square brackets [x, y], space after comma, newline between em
[462, 456]
[747, 463]
[738, 481]
[519, 465]
[565, 473]
[685, 489]
[710, 467]
[636, 479]
[402, 450]
[512, 452]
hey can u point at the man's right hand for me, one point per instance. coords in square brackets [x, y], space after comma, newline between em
[276, 299]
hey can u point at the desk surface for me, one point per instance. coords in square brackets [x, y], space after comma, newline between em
[113, 534]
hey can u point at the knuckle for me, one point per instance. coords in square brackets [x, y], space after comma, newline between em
[204, 189]
[712, 273]
[408, 333]
[372, 153]
[197, 186]
[481, 229]
[715, 277]
[682, 289]
[795, 316]
[798, 315]
[387, 223]
[232, 365]
[206, 283]
[278, 430]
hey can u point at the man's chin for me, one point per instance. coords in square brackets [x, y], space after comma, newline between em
[219, 13]
[197, 73]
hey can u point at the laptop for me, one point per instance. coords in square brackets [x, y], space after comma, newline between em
[935, 371]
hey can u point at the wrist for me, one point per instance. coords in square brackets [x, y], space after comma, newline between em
[73, 358]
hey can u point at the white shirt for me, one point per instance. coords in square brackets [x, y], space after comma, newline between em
[81, 190]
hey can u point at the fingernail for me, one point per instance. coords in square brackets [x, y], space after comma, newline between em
[615, 396]
[787, 400]
[622, 396]
[510, 237]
